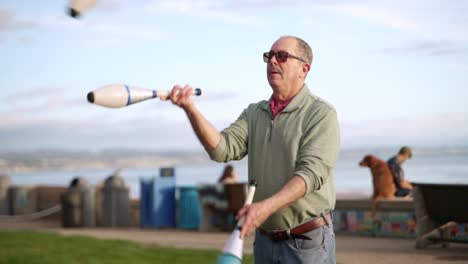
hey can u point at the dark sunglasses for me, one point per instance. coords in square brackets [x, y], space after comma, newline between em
[281, 56]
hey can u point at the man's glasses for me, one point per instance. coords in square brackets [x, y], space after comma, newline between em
[281, 56]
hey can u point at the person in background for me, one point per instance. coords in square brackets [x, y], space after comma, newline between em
[403, 186]
[292, 140]
[229, 175]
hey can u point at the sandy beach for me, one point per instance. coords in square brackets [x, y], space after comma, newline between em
[350, 249]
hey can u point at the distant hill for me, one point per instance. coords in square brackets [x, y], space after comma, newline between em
[52, 159]
[16, 162]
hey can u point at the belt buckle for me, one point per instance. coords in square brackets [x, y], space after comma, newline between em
[276, 235]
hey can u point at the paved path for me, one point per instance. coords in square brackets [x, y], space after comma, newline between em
[350, 249]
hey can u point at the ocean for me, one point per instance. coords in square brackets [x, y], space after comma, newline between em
[428, 165]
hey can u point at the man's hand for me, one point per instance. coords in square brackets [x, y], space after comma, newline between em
[255, 214]
[182, 97]
[406, 184]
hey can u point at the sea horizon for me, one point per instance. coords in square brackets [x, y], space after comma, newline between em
[430, 165]
[36, 160]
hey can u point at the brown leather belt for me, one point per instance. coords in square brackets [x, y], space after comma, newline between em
[298, 231]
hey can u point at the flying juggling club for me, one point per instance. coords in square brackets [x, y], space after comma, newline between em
[77, 7]
[232, 251]
[117, 95]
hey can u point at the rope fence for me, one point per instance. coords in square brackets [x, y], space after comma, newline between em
[32, 216]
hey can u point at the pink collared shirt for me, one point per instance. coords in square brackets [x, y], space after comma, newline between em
[277, 105]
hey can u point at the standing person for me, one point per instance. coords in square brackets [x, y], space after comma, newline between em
[228, 176]
[293, 142]
[403, 186]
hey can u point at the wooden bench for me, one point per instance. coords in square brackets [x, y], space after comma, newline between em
[438, 209]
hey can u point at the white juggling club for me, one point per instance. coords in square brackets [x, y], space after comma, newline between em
[77, 7]
[118, 95]
[232, 251]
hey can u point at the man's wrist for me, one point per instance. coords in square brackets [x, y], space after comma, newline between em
[189, 109]
[270, 205]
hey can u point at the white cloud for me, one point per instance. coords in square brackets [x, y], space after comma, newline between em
[434, 48]
[99, 133]
[38, 92]
[6, 19]
[35, 106]
[9, 22]
[103, 28]
[110, 5]
[129, 32]
[377, 15]
[104, 129]
[427, 20]
[216, 10]
[441, 129]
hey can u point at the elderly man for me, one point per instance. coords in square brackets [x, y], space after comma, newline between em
[293, 142]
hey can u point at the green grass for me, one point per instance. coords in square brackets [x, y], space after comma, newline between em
[43, 247]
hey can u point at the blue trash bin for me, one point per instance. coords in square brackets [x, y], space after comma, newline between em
[157, 202]
[189, 208]
[146, 204]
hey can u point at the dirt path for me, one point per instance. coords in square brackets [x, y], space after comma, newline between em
[350, 249]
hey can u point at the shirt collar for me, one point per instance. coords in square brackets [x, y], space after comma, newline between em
[277, 106]
[295, 103]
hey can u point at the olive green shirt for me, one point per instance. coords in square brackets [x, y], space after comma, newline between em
[302, 140]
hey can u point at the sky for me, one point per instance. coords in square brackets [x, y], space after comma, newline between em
[396, 71]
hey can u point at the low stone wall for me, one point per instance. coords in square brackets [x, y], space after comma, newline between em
[393, 218]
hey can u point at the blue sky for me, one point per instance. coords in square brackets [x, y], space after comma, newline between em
[396, 71]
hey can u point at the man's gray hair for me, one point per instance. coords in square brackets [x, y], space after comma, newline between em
[303, 49]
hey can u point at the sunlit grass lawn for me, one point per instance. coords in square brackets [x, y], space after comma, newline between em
[44, 247]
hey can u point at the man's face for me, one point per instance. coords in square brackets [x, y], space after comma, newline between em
[285, 76]
[406, 157]
[403, 157]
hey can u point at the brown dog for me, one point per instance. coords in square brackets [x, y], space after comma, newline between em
[382, 179]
